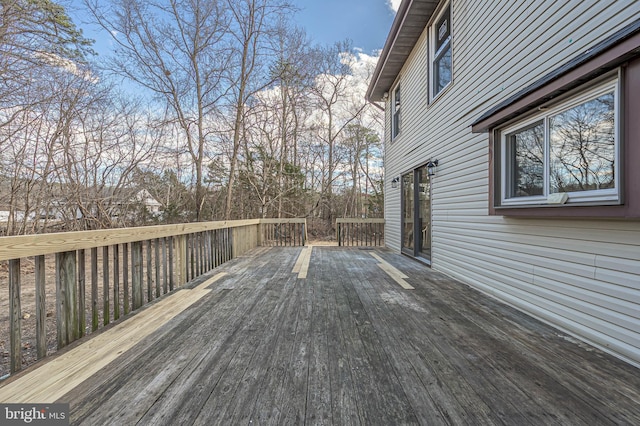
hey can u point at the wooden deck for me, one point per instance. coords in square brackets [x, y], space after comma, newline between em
[339, 341]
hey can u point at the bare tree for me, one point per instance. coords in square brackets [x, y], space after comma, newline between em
[112, 138]
[254, 26]
[33, 137]
[175, 50]
[360, 143]
[337, 107]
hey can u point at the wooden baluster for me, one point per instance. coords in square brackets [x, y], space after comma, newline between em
[165, 282]
[106, 314]
[156, 243]
[149, 273]
[194, 256]
[171, 259]
[94, 289]
[125, 278]
[41, 308]
[210, 249]
[82, 293]
[216, 247]
[199, 254]
[191, 263]
[116, 282]
[15, 338]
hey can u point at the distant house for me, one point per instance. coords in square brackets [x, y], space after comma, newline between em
[61, 201]
[512, 147]
[152, 205]
[5, 211]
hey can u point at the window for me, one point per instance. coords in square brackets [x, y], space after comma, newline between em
[442, 68]
[395, 102]
[567, 153]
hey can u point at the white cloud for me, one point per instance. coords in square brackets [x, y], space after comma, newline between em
[394, 4]
[67, 65]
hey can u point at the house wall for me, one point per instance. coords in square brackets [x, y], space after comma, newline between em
[581, 275]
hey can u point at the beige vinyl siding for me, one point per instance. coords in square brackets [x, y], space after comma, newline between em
[399, 153]
[581, 275]
[391, 196]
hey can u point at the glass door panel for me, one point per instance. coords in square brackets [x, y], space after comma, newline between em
[423, 213]
[408, 209]
[416, 214]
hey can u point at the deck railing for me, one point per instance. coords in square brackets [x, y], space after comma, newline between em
[360, 232]
[283, 232]
[102, 275]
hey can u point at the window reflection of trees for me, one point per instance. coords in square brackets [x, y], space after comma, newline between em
[407, 186]
[582, 147]
[528, 152]
[444, 69]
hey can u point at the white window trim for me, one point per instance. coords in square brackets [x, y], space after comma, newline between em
[433, 95]
[600, 196]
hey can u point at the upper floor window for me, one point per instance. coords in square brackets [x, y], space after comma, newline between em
[442, 67]
[568, 153]
[395, 107]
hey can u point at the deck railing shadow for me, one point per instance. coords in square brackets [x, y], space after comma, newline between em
[99, 276]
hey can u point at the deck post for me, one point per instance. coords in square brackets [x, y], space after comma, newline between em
[136, 274]
[67, 298]
[181, 258]
[234, 248]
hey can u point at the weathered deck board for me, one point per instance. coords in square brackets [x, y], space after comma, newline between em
[535, 359]
[348, 345]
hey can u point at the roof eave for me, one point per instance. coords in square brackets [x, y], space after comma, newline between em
[409, 24]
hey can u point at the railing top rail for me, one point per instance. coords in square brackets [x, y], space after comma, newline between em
[15, 247]
[284, 220]
[356, 220]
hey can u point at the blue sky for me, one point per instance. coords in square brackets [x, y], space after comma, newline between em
[365, 22]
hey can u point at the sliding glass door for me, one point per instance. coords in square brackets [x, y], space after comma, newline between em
[416, 214]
